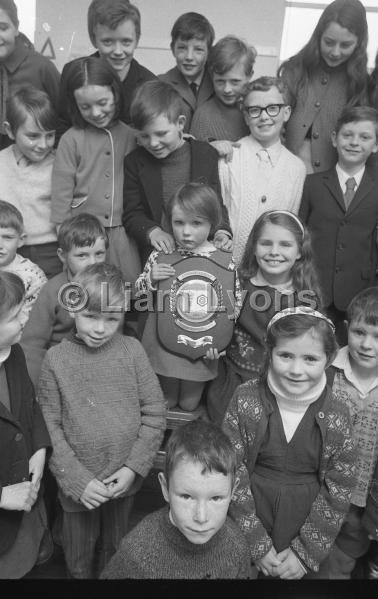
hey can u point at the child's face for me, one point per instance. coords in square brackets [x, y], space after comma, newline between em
[160, 137]
[230, 86]
[363, 345]
[189, 230]
[96, 104]
[337, 44]
[32, 141]
[276, 252]
[117, 45]
[11, 327]
[298, 363]
[266, 129]
[96, 328]
[8, 35]
[355, 142]
[10, 241]
[191, 56]
[78, 258]
[198, 501]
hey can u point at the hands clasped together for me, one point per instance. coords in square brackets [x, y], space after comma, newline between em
[285, 564]
[114, 486]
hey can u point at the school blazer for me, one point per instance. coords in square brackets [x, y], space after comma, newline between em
[178, 81]
[22, 433]
[344, 242]
[143, 189]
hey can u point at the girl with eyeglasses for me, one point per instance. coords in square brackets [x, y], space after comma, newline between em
[326, 75]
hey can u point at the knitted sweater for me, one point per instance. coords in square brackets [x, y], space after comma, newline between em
[246, 198]
[33, 278]
[88, 173]
[104, 409]
[28, 188]
[246, 423]
[213, 120]
[48, 323]
[155, 548]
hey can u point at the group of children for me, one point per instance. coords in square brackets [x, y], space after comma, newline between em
[145, 179]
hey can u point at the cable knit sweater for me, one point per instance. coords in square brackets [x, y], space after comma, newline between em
[104, 409]
[213, 120]
[28, 188]
[155, 548]
[246, 198]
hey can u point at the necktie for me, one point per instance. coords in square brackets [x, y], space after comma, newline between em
[263, 155]
[349, 194]
[194, 87]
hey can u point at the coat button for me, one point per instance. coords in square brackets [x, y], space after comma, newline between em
[107, 174]
[107, 152]
[317, 163]
[317, 104]
[107, 196]
[263, 199]
[321, 414]
[315, 135]
[18, 437]
[337, 269]
[106, 216]
[324, 80]
[340, 246]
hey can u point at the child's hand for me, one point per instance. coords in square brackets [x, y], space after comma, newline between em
[223, 242]
[290, 567]
[225, 148]
[19, 497]
[120, 481]
[213, 354]
[162, 241]
[160, 272]
[36, 465]
[94, 494]
[268, 563]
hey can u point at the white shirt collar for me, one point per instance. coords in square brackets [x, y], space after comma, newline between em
[260, 281]
[343, 363]
[274, 150]
[197, 81]
[343, 176]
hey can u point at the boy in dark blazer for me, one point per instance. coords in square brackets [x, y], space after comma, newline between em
[192, 37]
[340, 208]
[165, 160]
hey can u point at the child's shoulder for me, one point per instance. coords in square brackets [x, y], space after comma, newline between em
[129, 344]
[234, 538]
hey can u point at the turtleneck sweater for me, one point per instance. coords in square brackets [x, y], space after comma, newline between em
[156, 548]
[293, 407]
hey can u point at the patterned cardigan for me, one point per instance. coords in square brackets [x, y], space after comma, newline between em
[245, 422]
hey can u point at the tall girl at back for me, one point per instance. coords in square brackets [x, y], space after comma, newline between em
[328, 73]
[295, 454]
[276, 272]
[88, 169]
[194, 212]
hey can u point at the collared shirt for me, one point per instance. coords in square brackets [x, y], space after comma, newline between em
[260, 281]
[197, 80]
[343, 177]
[272, 151]
[342, 361]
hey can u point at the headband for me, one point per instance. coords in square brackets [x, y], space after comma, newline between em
[305, 310]
[293, 216]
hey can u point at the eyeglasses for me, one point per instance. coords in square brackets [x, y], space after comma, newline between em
[271, 110]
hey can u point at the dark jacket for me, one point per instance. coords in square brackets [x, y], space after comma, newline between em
[135, 77]
[143, 189]
[343, 241]
[370, 517]
[22, 433]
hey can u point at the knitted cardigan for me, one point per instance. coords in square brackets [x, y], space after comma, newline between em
[215, 121]
[238, 183]
[245, 422]
[104, 409]
[155, 548]
[28, 188]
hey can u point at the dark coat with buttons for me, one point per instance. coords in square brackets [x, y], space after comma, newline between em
[343, 241]
[22, 433]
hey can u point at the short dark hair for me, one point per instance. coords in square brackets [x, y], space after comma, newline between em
[33, 101]
[357, 114]
[190, 25]
[111, 13]
[202, 442]
[364, 306]
[227, 52]
[9, 6]
[12, 291]
[81, 230]
[92, 280]
[152, 99]
[264, 84]
[91, 71]
[11, 217]
[199, 199]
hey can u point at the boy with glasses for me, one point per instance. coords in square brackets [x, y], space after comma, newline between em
[262, 174]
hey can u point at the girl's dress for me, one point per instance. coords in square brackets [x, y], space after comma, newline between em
[163, 362]
[88, 177]
[246, 353]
